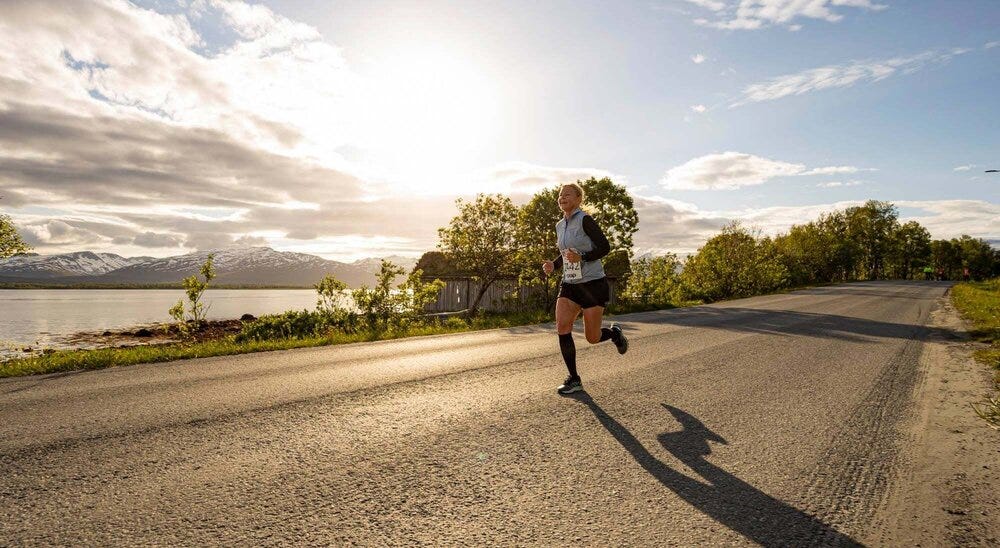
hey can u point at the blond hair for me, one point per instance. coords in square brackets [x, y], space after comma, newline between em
[577, 188]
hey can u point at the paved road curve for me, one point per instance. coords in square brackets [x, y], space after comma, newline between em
[772, 420]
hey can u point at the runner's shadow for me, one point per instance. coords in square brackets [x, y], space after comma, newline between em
[726, 498]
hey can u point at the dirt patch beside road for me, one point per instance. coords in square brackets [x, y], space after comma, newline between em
[950, 495]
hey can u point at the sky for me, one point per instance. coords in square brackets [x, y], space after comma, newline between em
[347, 129]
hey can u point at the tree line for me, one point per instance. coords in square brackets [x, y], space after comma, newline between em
[492, 239]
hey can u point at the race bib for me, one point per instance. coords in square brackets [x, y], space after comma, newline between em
[572, 271]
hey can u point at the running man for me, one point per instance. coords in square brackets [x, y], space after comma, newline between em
[584, 287]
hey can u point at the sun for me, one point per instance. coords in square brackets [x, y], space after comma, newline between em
[429, 113]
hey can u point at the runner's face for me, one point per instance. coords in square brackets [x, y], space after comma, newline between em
[568, 199]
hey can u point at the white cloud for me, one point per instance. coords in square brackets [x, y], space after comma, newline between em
[965, 168]
[522, 178]
[698, 58]
[839, 76]
[757, 14]
[729, 170]
[699, 108]
[991, 45]
[952, 218]
[837, 184]
[714, 5]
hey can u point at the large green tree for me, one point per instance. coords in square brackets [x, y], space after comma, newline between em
[480, 240]
[11, 242]
[871, 227]
[910, 250]
[736, 263]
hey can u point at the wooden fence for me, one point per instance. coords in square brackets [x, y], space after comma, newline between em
[504, 295]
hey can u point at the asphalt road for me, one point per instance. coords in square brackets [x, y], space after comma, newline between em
[773, 420]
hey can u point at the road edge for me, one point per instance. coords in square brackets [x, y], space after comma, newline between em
[947, 494]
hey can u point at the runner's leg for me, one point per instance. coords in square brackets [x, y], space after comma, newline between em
[592, 318]
[566, 313]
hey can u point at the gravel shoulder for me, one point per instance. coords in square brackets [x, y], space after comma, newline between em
[949, 495]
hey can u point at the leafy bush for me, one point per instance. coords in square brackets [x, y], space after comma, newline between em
[333, 303]
[653, 282]
[454, 322]
[383, 308]
[294, 324]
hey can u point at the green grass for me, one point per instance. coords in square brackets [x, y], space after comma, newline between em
[75, 360]
[979, 302]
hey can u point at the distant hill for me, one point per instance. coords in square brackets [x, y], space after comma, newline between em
[249, 266]
[48, 267]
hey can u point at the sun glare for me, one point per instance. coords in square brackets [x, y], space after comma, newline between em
[430, 113]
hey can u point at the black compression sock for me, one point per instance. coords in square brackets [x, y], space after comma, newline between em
[568, 353]
[606, 334]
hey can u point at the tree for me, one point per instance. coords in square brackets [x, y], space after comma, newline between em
[436, 263]
[194, 289]
[736, 263]
[977, 256]
[10, 241]
[653, 281]
[481, 240]
[536, 241]
[946, 258]
[613, 209]
[911, 249]
[871, 226]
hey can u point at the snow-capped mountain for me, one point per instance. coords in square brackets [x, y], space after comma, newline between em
[233, 266]
[81, 263]
[374, 264]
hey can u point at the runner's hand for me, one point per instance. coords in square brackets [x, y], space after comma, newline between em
[548, 267]
[571, 256]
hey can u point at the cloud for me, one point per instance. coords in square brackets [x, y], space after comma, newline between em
[730, 170]
[133, 136]
[522, 178]
[837, 184]
[699, 108]
[713, 5]
[991, 45]
[831, 170]
[953, 218]
[154, 239]
[965, 168]
[839, 76]
[698, 58]
[758, 14]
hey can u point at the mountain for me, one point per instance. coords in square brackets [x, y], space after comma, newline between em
[47, 267]
[374, 264]
[233, 266]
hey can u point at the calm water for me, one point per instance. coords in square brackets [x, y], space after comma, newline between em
[42, 317]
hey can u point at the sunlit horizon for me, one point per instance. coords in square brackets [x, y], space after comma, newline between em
[154, 128]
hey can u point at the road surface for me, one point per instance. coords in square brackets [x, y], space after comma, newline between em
[774, 420]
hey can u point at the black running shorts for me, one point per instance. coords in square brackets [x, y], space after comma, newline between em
[587, 294]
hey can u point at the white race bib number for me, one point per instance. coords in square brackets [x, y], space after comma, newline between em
[572, 271]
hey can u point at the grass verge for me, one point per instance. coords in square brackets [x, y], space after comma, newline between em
[979, 302]
[101, 358]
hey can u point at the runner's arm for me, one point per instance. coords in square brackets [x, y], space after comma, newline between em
[601, 245]
[557, 262]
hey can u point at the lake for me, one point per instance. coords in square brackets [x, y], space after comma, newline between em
[43, 317]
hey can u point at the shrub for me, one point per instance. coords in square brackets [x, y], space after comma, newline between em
[294, 324]
[194, 288]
